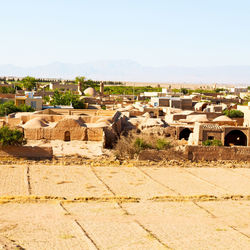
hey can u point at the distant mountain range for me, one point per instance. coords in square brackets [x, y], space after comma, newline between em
[127, 70]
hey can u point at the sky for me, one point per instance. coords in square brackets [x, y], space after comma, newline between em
[151, 32]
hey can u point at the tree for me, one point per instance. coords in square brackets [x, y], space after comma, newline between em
[9, 107]
[29, 82]
[184, 91]
[86, 83]
[67, 98]
[80, 80]
[10, 137]
[6, 90]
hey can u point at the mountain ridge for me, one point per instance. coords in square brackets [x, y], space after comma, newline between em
[128, 70]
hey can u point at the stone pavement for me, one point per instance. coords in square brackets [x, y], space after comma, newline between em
[79, 207]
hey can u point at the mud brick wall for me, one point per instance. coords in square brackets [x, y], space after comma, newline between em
[28, 152]
[239, 153]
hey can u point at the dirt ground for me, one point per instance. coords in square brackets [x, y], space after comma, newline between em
[82, 207]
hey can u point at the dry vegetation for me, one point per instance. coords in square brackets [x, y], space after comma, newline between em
[130, 146]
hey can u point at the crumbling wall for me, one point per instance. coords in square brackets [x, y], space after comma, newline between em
[27, 152]
[95, 134]
[197, 153]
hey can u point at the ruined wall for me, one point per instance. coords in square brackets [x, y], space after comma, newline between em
[225, 123]
[95, 134]
[217, 135]
[27, 152]
[196, 153]
[239, 121]
[11, 122]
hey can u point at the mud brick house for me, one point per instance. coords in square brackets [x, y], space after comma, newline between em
[228, 135]
[68, 124]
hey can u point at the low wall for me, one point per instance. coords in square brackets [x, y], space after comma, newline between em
[196, 153]
[28, 152]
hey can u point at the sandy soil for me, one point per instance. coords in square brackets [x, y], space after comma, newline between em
[79, 207]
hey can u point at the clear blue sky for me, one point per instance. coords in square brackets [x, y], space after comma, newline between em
[150, 32]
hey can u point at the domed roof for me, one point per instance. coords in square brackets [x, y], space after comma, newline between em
[69, 122]
[90, 91]
[222, 118]
[199, 118]
[35, 123]
[107, 121]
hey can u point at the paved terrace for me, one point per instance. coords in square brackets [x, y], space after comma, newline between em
[77, 207]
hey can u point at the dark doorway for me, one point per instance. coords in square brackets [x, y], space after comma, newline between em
[235, 137]
[185, 133]
[67, 136]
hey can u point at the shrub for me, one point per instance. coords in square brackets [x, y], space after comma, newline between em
[234, 113]
[141, 144]
[133, 144]
[125, 148]
[10, 136]
[212, 143]
[162, 144]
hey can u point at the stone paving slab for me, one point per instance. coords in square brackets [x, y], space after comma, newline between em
[145, 225]
[187, 226]
[241, 171]
[63, 181]
[111, 228]
[13, 180]
[129, 181]
[41, 226]
[234, 213]
[109, 223]
[231, 182]
[182, 182]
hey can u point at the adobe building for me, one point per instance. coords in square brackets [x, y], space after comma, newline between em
[184, 103]
[228, 135]
[68, 125]
[246, 111]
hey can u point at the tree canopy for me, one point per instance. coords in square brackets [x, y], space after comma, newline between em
[67, 98]
[10, 136]
[29, 82]
[9, 107]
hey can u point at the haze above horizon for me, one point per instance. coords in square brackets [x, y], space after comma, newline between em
[152, 33]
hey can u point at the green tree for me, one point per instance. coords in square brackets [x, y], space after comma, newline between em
[7, 90]
[86, 83]
[9, 107]
[67, 98]
[10, 137]
[29, 82]
[80, 80]
[184, 91]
